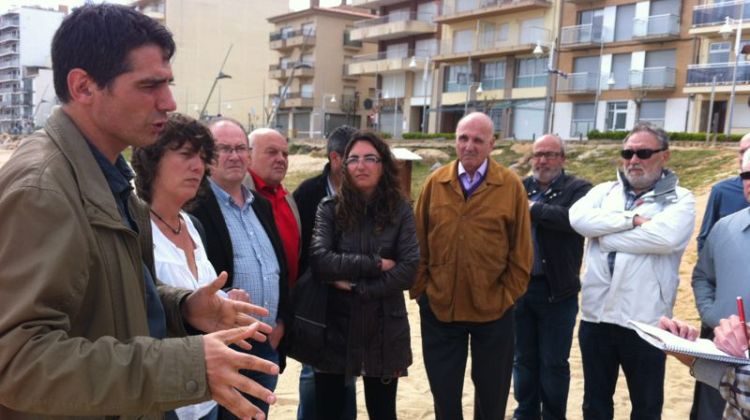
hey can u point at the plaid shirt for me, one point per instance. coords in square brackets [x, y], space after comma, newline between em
[735, 389]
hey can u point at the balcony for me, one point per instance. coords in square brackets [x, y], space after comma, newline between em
[653, 78]
[714, 14]
[285, 40]
[382, 62]
[525, 41]
[9, 64]
[395, 25]
[350, 44]
[295, 100]
[703, 74]
[9, 37]
[9, 21]
[582, 1]
[8, 51]
[455, 10]
[657, 27]
[581, 36]
[374, 4]
[346, 75]
[284, 70]
[578, 83]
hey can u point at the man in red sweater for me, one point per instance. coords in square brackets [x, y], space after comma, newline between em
[269, 161]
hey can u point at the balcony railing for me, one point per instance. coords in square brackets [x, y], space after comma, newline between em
[716, 13]
[657, 26]
[348, 42]
[581, 34]
[527, 38]
[395, 17]
[4, 64]
[584, 82]
[279, 35]
[384, 55]
[703, 74]
[8, 22]
[653, 78]
[13, 36]
[459, 7]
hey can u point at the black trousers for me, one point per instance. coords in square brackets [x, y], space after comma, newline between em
[445, 350]
[708, 404]
[331, 396]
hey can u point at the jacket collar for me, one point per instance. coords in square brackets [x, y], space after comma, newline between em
[557, 184]
[69, 140]
[494, 174]
[664, 191]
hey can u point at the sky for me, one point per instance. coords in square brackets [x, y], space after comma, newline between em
[6, 4]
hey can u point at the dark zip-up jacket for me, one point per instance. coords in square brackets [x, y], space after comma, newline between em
[561, 248]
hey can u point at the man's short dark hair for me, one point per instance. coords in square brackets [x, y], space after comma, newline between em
[98, 39]
[338, 138]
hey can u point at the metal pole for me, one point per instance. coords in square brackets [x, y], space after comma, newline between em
[424, 89]
[395, 109]
[323, 117]
[221, 75]
[599, 81]
[738, 38]
[468, 89]
[711, 108]
[548, 94]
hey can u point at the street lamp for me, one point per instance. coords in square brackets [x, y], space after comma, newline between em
[323, 111]
[538, 52]
[725, 31]
[219, 76]
[470, 85]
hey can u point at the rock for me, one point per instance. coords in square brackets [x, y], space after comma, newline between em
[591, 154]
[521, 148]
[432, 155]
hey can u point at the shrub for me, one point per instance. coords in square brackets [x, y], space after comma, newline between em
[673, 136]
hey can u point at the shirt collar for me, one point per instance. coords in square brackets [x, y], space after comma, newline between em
[118, 175]
[480, 171]
[261, 185]
[223, 196]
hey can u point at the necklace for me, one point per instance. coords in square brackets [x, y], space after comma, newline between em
[179, 222]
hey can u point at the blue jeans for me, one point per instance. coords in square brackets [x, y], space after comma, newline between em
[266, 352]
[544, 335]
[306, 408]
[604, 349]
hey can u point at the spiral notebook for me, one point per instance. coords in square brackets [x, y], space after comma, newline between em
[700, 348]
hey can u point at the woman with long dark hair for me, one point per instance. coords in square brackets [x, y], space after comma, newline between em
[364, 246]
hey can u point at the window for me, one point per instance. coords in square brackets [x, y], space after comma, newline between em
[393, 85]
[493, 75]
[718, 52]
[306, 90]
[308, 59]
[531, 72]
[456, 78]
[426, 47]
[308, 29]
[533, 30]
[583, 119]
[653, 112]
[462, 41]
[397, 50]
[492, 35]
[624, 22]
[528, 119]
[617, 113]
[621, 70]
[496, 115]
[426, 11]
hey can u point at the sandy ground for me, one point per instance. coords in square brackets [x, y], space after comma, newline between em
[415, 400]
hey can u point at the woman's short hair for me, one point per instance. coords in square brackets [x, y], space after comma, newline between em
[179, 129]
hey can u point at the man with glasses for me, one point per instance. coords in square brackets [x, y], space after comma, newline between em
[545, 316]
[638, 227]
[242, 239]
[717, 277]
[474, 233]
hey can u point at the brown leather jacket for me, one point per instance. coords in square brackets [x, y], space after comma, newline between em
[476, 254]
[73, 329]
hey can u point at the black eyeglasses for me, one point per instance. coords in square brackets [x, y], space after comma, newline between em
[745, 175]
[642, 154]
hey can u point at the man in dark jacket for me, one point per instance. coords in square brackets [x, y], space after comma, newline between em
[545, 315]
[307, 196]
[242, 239]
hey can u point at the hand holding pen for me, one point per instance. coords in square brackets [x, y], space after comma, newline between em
[730, 335]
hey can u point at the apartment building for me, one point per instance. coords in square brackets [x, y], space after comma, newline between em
[625, 62]
[487, 62]
[407, 38]
[221, 64]
[314, 93]
[720, 67]
[27, 92]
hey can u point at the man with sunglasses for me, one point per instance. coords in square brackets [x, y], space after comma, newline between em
[545, 316]
[638, 226]
[718, 279]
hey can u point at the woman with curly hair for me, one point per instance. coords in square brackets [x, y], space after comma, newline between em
[168, 175]
[364, 246]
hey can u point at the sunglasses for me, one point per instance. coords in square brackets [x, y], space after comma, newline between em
[745, 175]
[642, 154]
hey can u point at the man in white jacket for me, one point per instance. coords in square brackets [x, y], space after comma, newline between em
[637, 228]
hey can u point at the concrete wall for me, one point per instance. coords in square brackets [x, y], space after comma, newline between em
[37, 27]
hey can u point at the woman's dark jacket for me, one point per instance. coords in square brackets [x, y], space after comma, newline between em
[367, 329]
[560, 246]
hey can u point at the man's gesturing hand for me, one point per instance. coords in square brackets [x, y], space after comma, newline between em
[205, 310]
[222, 371]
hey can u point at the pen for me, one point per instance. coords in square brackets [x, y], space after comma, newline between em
[741, 314]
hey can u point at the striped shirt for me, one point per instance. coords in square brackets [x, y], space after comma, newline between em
[256, 268]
